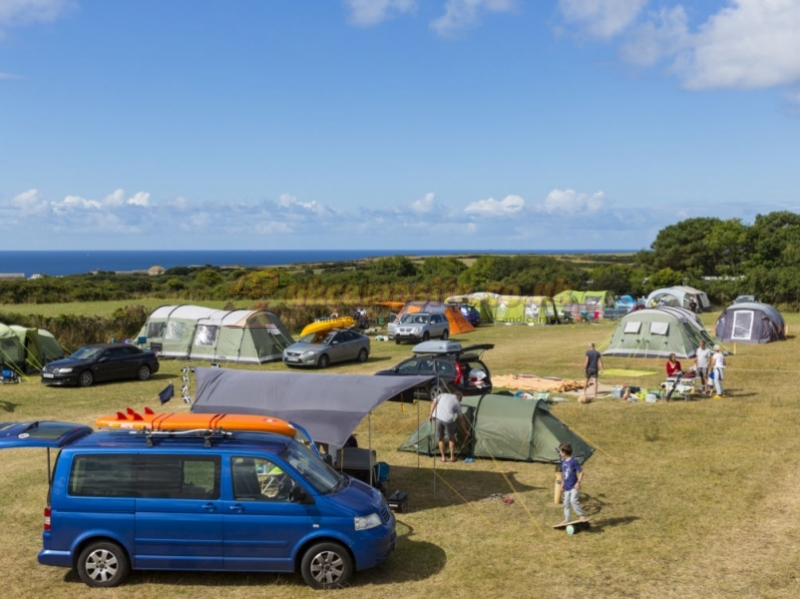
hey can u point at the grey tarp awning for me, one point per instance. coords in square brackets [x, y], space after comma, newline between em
[328, 406]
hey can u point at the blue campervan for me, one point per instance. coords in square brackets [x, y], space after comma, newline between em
[235, 502]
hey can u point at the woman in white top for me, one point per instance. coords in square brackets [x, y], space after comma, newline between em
[717, 367]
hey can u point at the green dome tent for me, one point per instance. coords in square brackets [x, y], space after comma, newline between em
[505, 428]
[12, 352]
[657, 333]
[35, 348]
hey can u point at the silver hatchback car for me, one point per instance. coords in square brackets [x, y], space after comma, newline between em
[322, 349]
[421, 326]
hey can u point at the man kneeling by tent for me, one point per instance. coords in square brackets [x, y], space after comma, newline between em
[444, 410]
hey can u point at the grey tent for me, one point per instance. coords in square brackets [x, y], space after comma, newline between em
[199, 333]
[750, 322]
[508, 428]
[657, 333]
[328, 406]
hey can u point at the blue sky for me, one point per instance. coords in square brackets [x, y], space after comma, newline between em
[381, 124]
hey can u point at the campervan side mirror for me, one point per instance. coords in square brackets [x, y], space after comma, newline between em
[299, 495]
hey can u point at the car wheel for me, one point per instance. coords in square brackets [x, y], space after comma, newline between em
[324, 361]
[426, 335]
[445, 335]
[85, 378]
[143, 373]
[436, 390]
[327, 566]
[363, 354]
[103, 565]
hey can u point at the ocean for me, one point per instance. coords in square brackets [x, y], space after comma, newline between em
[60, 263]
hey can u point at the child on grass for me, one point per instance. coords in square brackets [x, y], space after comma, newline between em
[572, 474]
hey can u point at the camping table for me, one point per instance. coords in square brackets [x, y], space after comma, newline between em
[685, 389]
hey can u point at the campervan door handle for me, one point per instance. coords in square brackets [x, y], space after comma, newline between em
[210, 507]
[237, 507]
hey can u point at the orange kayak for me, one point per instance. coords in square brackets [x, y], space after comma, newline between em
[171, 421]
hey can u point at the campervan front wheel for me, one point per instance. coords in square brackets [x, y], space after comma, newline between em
[327, 566]
[103, 564]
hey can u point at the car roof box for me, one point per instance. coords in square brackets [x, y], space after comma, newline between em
[437, 347]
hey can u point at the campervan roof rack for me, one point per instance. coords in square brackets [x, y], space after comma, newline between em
[206, 433]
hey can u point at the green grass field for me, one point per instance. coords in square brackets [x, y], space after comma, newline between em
[697, 499]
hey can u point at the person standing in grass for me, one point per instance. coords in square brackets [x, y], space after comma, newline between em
[444, 410]
[571, 477]
[701, 361]
[717, 368]
[593, 366]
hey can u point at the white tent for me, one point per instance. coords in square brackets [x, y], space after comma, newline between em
[680, 296]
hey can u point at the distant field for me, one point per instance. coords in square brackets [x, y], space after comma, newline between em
[697, 499]
[105, 308]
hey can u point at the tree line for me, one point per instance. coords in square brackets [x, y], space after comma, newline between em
[725, 258]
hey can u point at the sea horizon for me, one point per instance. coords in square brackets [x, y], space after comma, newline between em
[69, 262]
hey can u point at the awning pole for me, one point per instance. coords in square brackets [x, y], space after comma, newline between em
[369, 461]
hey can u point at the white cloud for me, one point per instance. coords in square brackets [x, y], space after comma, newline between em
[506, 207]
[292, 204]
[424, 204]
[749, 44]
[15, 13]
[666, 34]
[115, 198]
[366, 13]
[569, 202]
[601, 19]
[463, 14]
[140, 199]
[8, 75]
[30, 202]
[70, 203]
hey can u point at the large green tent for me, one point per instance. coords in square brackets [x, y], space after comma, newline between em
[198, 333]
[12, 352]
[657, 333]
[35, 347]
[505, 427]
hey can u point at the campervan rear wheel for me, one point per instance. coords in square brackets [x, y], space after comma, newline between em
[85, 378]
[144, 372]
[103, 564]
[327, 566]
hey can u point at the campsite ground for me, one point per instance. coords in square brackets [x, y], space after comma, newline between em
[695, 499]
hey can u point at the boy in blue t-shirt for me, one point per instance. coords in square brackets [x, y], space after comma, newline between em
[572, 474]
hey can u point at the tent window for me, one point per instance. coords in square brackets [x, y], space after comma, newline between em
[742, 325]
[633, 327]
[205, 335]
[659, 328]
[155, 330]
[175, 330]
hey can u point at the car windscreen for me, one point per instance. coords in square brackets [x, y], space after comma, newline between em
[317, 473]
[87, 353]
[415, 318]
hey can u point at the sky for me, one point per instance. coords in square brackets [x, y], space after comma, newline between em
[392, 124]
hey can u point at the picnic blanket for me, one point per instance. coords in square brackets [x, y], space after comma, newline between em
[531, 382]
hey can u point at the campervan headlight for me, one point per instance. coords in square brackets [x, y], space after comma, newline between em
[367, 522]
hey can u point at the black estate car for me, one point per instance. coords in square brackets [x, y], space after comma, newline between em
[457, 368]
[101, 362]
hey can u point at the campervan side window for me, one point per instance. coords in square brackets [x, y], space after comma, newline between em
[155, 330]
[103, 476]
[154, 476]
